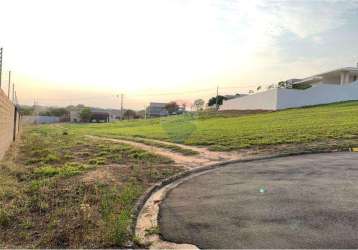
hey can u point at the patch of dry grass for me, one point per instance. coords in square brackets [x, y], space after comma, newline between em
[61, 190]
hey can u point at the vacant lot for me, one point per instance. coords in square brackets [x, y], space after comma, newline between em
[326, 123]
[61, 189]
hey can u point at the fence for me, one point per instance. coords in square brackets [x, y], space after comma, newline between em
[10, 121]
[281, 98]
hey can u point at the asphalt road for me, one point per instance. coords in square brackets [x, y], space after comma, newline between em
[308, 201]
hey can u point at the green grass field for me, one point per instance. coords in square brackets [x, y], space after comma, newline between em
[61, 189]
[320, 123]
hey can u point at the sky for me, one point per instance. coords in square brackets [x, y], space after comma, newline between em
[64, 52]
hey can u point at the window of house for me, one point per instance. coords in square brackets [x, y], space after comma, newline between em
[354, 78]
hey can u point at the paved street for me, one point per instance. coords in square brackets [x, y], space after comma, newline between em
[308, 201]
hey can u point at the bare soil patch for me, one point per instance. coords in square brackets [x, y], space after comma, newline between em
[205, 156]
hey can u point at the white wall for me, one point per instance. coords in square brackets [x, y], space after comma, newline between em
[40, 119]
[262, 100]
[291, 98]
[317, 94]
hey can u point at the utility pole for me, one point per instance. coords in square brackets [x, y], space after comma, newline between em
[13, 93]
[217, 97]
[145, 112]
[9, 85]
[122, 107]
[1, 49]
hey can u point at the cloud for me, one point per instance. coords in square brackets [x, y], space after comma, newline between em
[133, 45]
[273, 18]
[308, 18]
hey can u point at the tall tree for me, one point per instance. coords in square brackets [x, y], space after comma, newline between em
[129, 114]
[85, 114]
[282, 84]
[212, 100]
[199, 104]
[172, 107]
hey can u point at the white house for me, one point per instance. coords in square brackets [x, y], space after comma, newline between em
[332, 86]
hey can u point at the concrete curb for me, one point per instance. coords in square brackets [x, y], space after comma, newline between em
[181, 176]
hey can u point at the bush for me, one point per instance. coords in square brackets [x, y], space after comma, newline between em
[85, 115]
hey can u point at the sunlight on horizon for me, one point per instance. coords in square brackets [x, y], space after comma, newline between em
[70, 52]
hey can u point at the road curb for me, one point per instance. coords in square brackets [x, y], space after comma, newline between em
[181, 176]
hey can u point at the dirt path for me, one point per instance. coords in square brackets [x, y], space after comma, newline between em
[205, 156]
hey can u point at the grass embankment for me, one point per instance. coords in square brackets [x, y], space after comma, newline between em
[325, 123]
[61, 189]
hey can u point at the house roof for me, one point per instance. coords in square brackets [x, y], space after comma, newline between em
[318, 77]
[157, 104]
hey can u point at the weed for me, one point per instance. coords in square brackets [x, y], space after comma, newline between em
[97, 161]
[129, 194]
[5, 218]
[108, 198]
[69, 169]
[26, 224]
[121, 227]
[51, 158]
[152, 230]
[36, 185]
[47, 171]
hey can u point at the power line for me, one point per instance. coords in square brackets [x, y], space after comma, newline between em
[217, 97]
[13, 92]
[122, 106]
[145, 95]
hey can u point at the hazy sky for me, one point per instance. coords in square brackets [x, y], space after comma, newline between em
[82, 51]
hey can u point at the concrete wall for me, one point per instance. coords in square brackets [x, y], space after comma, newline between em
[40, 119]
[9, 123]
[331, 79]
[318, 94]
[291, 98]
[266, 100]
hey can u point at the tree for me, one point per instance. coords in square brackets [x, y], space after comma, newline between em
[130, 114]
[24, 110]
[58, 112]
[251, 91]
[212, 100]
[85, 114]
[199, 104]
[172, 107]
[282, 84]
[258, 88]
[272, 86]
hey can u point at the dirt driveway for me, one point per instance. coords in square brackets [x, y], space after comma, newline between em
[308, 201]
